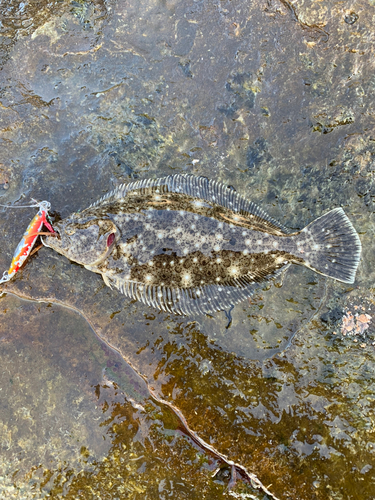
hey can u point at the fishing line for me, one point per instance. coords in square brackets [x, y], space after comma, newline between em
[46, 205]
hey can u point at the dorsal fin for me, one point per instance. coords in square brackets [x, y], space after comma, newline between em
[197, 187]
[187, 301]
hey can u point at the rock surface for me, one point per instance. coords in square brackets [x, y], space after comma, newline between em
[275, 98]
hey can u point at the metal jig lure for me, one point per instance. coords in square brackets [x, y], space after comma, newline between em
[27, 242]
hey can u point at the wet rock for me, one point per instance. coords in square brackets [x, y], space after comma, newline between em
[332, 316]
[185, 37]
[93, 93]
[257, 154]
[185, 66]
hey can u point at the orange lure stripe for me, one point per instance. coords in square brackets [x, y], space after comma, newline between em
[26, 244]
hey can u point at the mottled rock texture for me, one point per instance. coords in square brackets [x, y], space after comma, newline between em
[275, 98]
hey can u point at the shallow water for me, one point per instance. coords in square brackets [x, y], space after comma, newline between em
[274, 98]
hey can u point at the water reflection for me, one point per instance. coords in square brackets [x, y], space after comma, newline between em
[76, 430]
[96, 93]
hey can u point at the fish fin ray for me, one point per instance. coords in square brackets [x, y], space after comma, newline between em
[198, 187]
[333, 246]
[189, 301]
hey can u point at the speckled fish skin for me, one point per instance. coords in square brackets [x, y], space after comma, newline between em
[187, 245]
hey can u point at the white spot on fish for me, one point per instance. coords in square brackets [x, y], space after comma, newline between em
[233, 270]
[197, 245]
[244, 233]
[186, 251]
[217, 248]
[192, 226]
[219, 236]
[178, 229]
[259, 242]
[172, 262]
[195, 259]
[218, 278]
[148, 278]
[220, 225]
[275, 244]
[160, 235]
[245, 252]
[218, 260]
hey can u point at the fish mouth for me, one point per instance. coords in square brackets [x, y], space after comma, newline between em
[53, 240]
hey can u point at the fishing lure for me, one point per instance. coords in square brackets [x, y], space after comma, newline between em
[27, 242]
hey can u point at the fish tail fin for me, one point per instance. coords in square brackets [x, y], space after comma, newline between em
[331, 246]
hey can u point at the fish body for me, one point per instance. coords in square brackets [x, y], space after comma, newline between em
[188, 245]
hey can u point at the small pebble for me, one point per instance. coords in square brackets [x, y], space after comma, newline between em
[351, 18]
[364, 318]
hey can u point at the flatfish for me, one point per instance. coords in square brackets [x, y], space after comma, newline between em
[188, 245]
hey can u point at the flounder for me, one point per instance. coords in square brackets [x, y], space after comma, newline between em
[187, 245]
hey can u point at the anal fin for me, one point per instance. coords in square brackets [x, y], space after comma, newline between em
[188, 301]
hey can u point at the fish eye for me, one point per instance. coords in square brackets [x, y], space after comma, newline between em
[110, 239]
[70, 230]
